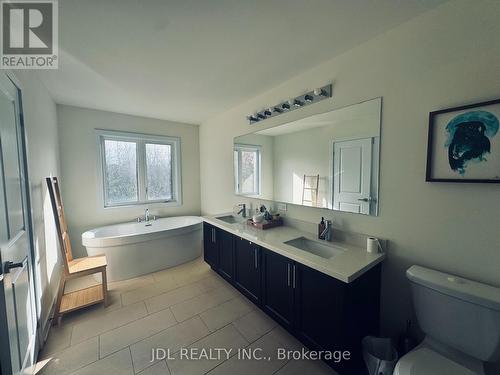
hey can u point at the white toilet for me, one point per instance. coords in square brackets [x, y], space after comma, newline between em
[461, 320]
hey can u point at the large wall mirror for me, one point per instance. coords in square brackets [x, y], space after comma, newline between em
[329, 160]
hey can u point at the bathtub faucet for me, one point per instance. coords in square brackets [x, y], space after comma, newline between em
[147, 217]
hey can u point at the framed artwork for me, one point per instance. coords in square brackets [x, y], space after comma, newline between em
[464, 144]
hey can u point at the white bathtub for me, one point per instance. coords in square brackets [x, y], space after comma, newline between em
[134, 249]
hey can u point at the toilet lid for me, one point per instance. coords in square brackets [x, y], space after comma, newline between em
[425, 361]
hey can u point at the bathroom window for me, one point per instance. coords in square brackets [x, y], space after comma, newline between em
[247, 169]
[139, 169]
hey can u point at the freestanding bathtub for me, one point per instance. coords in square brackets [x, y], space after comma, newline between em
[133, 249]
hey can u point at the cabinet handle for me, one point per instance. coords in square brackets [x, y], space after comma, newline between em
[255, 257]
[215, 236]
[288, 274]
[294, 275]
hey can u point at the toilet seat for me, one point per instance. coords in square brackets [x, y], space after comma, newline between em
[425, 361]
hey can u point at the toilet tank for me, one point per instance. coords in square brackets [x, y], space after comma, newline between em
[457, 312]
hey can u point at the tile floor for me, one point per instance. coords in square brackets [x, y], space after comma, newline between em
[188, 307]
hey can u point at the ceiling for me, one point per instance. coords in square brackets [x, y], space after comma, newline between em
[188, 60]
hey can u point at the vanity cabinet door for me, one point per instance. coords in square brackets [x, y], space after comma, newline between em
[277, 288]
[226, 254]
[210, 247]
[247, 271]
[319, 308]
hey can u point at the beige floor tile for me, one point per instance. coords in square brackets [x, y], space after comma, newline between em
[58, 340]
[189, 361]
[197, 305]
[107, 322]
[148, 291]
[165, 274]
[268, 361]
[211, 282]
[227, 312]
[254, 325]
[226, 320]
[171, 339]
[185, 273]
[128, 334]
[172, 297]
[192, 275]
[159, 368]
[131, 284]
[69, 360]
[300, 367]
[285, 340]
[119, 363]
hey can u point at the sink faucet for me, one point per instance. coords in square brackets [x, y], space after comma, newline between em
[243, 210]
[327, 233]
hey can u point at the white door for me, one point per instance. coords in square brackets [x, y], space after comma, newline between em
[352, 170]
[18, 325]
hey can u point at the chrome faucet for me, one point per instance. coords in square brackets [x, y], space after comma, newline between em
[327, 232]
[243, 210]
[147, 217]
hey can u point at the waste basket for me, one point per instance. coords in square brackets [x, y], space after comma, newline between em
[380, 355]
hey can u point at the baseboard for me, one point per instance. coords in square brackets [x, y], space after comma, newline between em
[43, 332]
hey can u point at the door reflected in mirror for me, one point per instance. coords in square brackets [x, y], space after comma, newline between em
[329, 160]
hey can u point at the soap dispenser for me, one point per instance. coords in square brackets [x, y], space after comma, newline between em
[321, 228]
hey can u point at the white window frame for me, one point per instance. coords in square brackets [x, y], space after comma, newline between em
[141, 140]
[253, 148]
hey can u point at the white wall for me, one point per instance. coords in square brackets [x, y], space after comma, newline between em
[302, 153]
[79, 161]
[446, 57]
[43, 160]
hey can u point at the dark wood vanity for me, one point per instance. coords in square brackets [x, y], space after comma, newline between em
[324, 313]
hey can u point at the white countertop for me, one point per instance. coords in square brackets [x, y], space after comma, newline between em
[347, 266]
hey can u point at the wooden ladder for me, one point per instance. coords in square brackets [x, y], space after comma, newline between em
[312, 188]
[74, 268]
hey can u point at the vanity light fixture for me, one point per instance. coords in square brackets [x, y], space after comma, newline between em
[300, 101]
[320, 92]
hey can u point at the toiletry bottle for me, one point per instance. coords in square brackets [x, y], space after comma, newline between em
[321, 228]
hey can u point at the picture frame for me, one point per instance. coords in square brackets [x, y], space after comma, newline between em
[464, 144]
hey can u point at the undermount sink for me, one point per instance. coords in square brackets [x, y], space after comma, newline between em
[230, 219]
[315, 247]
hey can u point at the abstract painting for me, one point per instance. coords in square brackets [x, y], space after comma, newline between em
[464, 144]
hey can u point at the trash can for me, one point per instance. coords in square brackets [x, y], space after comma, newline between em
[380, 355]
